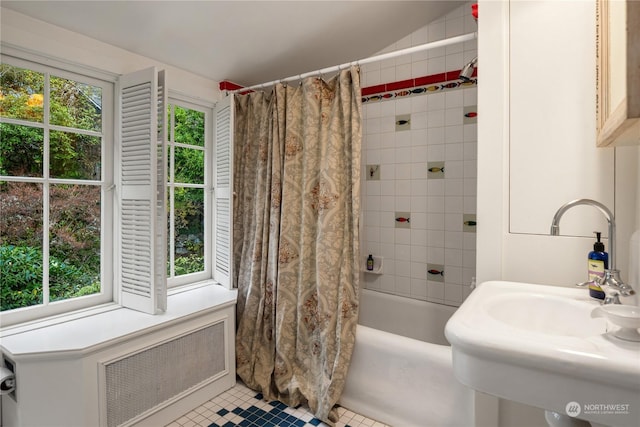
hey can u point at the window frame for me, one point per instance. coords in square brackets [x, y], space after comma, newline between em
[185, 101]
[79, 74]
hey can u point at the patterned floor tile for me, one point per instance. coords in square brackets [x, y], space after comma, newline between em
[241, 406]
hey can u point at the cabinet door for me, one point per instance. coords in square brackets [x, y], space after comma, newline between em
[553, 156]
[618, 72]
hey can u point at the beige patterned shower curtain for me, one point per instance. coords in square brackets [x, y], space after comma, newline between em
[297, 207]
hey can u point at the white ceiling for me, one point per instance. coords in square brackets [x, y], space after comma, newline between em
[247, 42]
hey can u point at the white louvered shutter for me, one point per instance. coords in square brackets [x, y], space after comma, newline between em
[223, 186]
[142, 209]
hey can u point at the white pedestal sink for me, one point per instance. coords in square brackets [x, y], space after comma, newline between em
[539, 345]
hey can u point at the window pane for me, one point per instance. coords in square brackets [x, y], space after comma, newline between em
[74, 241]
[21, 150]
[189, 230]
[189, 166]
[20, 244]
[75, 105]
[74, 156]
[189, 126]
[21, 93]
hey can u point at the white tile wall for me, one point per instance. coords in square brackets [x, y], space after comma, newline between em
[437, 133]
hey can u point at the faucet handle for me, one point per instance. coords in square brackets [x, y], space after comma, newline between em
[612, 279]
[613, 287]
[590, 282]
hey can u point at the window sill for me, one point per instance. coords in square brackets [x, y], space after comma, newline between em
[106, 325]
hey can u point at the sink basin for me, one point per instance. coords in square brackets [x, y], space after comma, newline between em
[540, 345]
[545, 314]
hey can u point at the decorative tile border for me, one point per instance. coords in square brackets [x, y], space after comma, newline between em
[449, 85]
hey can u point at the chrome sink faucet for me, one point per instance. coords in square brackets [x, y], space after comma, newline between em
[611, 283]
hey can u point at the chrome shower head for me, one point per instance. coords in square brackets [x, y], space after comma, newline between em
[467, 70]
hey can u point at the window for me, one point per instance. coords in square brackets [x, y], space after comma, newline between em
[79, 203]
[188, 199]
[55, 175]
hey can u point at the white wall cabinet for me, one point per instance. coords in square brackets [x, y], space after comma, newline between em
[618, 72]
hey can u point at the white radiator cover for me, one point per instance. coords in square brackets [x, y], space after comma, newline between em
[146, 378]
[138, 383]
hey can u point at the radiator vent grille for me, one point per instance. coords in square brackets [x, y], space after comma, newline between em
[140, 382]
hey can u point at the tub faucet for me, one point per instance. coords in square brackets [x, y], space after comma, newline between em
[611, 283]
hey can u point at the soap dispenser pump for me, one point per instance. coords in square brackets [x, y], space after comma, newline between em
[598, 262]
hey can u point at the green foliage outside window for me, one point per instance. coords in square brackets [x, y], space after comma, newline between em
[21, 284]
[188, 202]
[74, 210]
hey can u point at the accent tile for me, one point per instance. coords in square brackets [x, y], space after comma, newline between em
[403, 219]
[469, 223]
[435, 170]
[435, 272]
[429, 80]
[373, 172]
[470, 114]
[403, 122]
[373, 89]
[403, 84]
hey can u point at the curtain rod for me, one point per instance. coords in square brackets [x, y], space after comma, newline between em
[381, 57]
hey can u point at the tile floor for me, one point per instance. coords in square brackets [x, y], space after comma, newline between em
[243, 407]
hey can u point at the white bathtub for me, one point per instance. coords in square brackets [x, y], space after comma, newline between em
[401, 381]
[411, 318]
